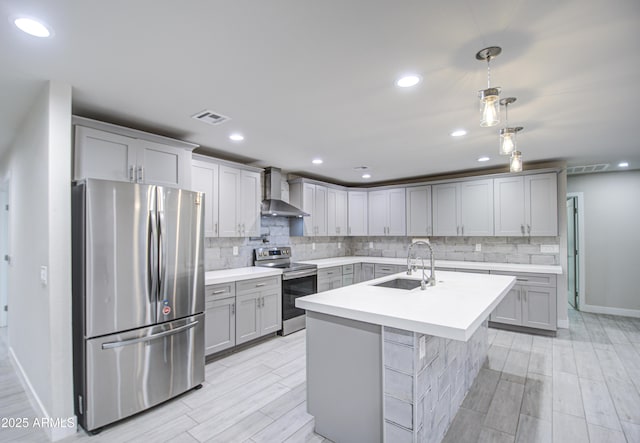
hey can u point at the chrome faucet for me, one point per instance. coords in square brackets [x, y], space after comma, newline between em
[432, 278]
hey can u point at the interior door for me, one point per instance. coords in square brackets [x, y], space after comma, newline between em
[572, 252]
[119, 247]
[180, 253]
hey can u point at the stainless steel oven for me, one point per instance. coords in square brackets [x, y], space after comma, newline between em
[298, 280]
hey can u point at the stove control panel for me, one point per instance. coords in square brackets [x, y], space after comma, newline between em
[274, 253]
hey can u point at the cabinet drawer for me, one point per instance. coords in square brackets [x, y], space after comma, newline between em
[257, 284]
[347, 269]
[329, 273]
[548, 280]
[219, 291]
[380, 269]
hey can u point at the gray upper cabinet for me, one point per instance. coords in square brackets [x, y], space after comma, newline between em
[239, 202]
[387, 212]
[526, 205]
[357, 203]
[463, 208]
[204, 178]
[336, 212]
[111, 152]
[312, 199]
[419, 221]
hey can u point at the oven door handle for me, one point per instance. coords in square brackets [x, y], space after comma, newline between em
[297, 274]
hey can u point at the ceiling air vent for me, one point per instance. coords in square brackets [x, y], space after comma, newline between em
[210, 117]
[588, 169]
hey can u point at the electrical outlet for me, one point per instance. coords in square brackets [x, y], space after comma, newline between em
[339, 245]
[550, 249]
[370, 245]
[478, 247]
[235, 250]
[313, 246]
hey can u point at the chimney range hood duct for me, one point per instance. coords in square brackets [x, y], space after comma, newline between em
[273, 204]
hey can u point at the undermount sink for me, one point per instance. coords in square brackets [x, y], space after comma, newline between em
[400, 283]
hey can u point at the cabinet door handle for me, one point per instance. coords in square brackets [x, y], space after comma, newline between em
[239, 230]
[243, 230]
[529, 229]
[519, 292]
[457, 230]
[219, 291]
[522, 229]
[262, 299]
[215, 228]
[233, 308]
[258, 285]
[522, 279]
[131, 168]
[524, 294]
[462, 230]
[140, 177]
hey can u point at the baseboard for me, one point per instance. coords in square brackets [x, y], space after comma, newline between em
[54, 433]
[563, 324]
[595, 309]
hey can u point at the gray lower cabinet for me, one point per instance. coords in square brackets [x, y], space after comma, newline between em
[531, 302]
[329, 278]
[258, 308]
[368, 272]
[382, 270]
[220, 317]
[347, 275]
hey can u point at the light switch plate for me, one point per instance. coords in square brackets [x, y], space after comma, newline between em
[313, 246]
[339, 245]
[478, 247]
[370, 245]
[44, 275]
[550, 249]
[235, 250]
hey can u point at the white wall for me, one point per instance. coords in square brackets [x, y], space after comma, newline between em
[39, 166]
[612, 240]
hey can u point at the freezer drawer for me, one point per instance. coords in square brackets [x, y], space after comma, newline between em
[132, 371]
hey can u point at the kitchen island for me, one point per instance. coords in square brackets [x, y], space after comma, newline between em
[386, 364]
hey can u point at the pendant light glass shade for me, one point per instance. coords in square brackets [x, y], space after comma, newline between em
[508, 140]
[515, 165]
[489, 98]
[489, 107]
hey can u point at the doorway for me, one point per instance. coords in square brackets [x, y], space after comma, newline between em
[4, 251]
[575, 252]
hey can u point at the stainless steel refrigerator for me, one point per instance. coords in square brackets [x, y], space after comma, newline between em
[138, 297]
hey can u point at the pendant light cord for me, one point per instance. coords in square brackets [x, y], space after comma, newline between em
[488, 72]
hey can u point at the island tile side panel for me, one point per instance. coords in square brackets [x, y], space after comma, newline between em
[425, 381]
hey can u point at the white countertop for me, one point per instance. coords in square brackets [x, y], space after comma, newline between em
[237, 274]
[478, 265]
[454, 308]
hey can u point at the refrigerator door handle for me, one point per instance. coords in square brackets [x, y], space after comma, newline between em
[152, 256]
[162, 248]
[119, 344]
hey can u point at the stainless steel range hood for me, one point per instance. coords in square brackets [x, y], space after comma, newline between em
[273, 204]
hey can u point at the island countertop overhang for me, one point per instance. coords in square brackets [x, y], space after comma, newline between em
[452, 309]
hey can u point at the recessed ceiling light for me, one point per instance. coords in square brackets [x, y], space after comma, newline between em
[366, 175]
[316, 161]
[236, 137]
[407, 81]
[484, 158]
[32, 26]
[623, 164]
[458, 133]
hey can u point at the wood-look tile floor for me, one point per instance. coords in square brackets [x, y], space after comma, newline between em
[581, 386]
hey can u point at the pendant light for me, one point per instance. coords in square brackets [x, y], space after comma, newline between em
[507, 134]
[515, 165]
[489, 105]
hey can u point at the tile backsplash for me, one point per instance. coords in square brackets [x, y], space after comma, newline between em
[275, 232]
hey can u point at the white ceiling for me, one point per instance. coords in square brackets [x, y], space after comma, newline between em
[304, 79]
